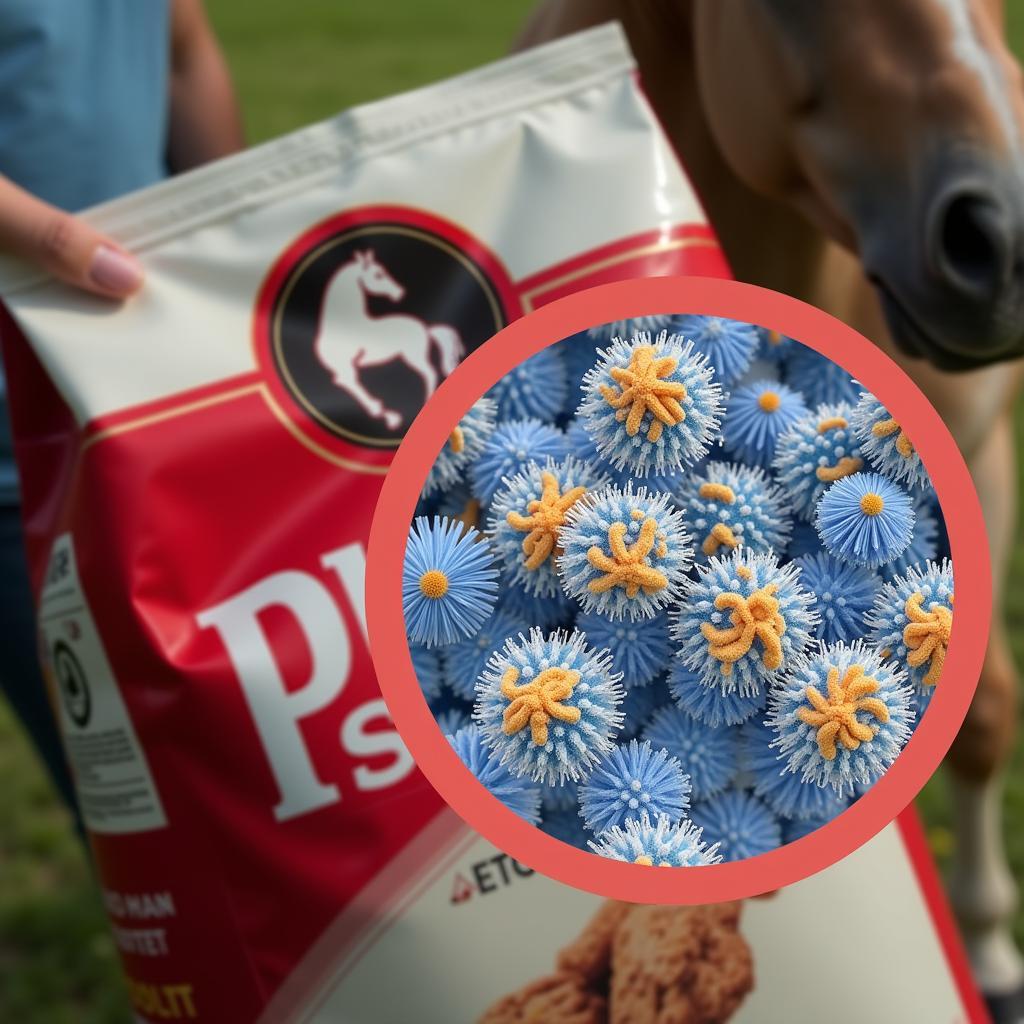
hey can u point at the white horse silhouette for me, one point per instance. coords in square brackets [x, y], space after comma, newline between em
[349, 338]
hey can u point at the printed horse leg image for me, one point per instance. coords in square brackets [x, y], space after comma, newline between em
[349, 338]
[868, 160]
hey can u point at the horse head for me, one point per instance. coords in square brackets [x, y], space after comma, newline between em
[375, 280]
[896, 126]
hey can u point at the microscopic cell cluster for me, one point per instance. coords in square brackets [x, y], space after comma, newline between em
[672, 590]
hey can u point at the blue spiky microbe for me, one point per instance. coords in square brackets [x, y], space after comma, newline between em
[680, 643]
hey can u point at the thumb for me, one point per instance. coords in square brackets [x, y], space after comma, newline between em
[64, 245]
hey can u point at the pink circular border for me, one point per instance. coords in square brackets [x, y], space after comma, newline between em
[395, 509]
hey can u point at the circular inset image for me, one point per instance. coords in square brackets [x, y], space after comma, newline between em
[677, 590]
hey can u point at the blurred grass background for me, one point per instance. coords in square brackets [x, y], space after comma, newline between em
[293, 63]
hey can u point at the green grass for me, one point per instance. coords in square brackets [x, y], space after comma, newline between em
[294, 62]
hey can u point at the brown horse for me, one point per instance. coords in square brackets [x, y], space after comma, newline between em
[868, 157]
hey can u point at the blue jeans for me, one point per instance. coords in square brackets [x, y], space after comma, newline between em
[21, 679]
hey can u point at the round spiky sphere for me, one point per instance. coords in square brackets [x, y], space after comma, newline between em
[885, 445]
[566, 825]
[739, 823]
[711, 704]
[538, 387]
[726, 506]
[516, 794]
[630, 779]
[549, 705]
[844, 592]
[513, 445]
[817, 450]
[842, 717]
[728, 345]
[785, 792]
[625, 554]
[640, 703]
[664, 844]
[426, 664]
[527, 514]
[640, 650]
[583, 447]
[465, 661]
[462, 447]
[911, 620]
[924, 544]
[865, 519]
[707, 755]
[542, 612]
[756, 416]
[651, 405]
[448, 582]
[818, 378]
[744, 621]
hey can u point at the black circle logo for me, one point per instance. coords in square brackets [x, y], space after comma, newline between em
[371, 319]
[73, 685]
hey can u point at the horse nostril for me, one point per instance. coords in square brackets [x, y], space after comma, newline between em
[971, 247]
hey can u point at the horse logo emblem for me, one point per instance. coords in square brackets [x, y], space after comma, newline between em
[351, 337]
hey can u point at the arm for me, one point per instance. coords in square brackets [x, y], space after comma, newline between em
[205, 122]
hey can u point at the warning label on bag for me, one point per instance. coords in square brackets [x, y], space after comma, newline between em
[115, 788]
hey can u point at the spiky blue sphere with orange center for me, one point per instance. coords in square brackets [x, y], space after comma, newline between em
[710, 703]
[817, 450]
[728, 345]
[625, 554]
[818, 378]
[549, 706]
[463, 446]
[886, 445]
[651, 405]
[844, 593]
[527, 514]
[842, 717]
[449, 582]
[709, 756]
[756, 416]
[630, 779]
[744, 621]
[509, 449]
[516, 794]
[726, 506]
[661, 843]
[865, 519]
[640, 650]
[538, 387]
[740, 824]
[910, 623]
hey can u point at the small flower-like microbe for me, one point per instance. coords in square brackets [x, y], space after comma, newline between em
[625, 554]
[549, 705]
[726, 506]
[509, 449]
[819, 449]
[516, 794]
[465, 661]
[865, 519]
[651, 406]
[538, 387]
[744, 621]
[911, 621]
[842, 717]
[728, 345]
[664, 844]
[711, 704]
[527, 514]
[844, 592]
[739, 823]
[630, 779]
[885, 443]
[426, 664]
[448, 582]
[640, 650]
[818, 378]
[756, 416]
[462, 447]
[707, 755]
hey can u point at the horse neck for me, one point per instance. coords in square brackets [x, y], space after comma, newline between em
[345, 294]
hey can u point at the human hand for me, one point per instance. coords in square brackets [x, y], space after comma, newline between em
[64, 245]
